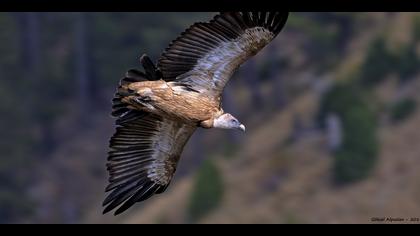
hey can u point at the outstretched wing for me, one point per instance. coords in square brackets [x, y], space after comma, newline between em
[142, 160]
[206, 55]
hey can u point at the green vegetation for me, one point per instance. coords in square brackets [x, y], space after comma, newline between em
[379, 62]
[416, 29]
[408, 63]
[358, 153]
[402, 109]
[357, 156]
[17, 140]
[340, 99]
[207, 191]
[323, 38]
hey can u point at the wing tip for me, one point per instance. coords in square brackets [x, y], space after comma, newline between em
[273, 21]
[145, 192]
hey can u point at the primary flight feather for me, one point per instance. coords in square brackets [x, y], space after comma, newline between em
[159, 109]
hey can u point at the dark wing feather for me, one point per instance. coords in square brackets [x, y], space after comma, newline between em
[142, 160]
[152, 73]
[206, 54]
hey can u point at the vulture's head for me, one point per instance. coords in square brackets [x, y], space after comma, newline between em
[227, 121]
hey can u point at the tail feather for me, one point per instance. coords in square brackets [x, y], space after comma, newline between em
[119, 108]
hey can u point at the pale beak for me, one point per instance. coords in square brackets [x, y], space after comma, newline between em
[242, 127]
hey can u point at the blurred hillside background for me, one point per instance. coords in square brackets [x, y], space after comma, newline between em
[331, 109]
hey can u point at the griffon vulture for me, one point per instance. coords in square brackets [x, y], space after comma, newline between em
[159, 109]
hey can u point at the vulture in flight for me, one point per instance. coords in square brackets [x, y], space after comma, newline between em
[158, 109]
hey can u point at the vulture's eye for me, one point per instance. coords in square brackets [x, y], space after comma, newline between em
[234, 122]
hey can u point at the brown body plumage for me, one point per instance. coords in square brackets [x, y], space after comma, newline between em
[172, 101]
[159, 109]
